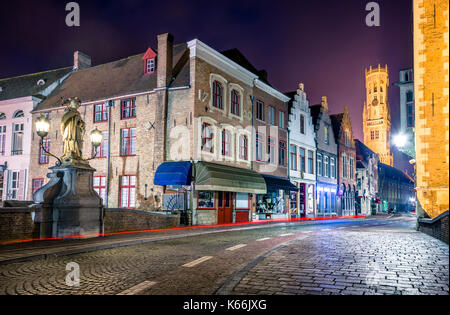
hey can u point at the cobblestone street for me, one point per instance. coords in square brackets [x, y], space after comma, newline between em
[357, 256]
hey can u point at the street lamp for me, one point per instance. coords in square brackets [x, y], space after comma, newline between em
[43, 126]
[400, 140]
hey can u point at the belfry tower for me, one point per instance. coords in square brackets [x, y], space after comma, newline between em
[376, 115]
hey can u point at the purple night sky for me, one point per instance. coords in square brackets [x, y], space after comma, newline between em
[325, 44]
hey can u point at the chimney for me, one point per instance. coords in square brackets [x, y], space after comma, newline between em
[324, 102]
[164, 60]
[81, 61]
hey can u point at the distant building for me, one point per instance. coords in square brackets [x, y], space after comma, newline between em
[19, 96]
[376, 114]
[326, 160]
[343, 132]
[367, 179]
[302, 140]
[395, 189]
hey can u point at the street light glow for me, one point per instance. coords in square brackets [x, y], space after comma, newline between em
[400, 140]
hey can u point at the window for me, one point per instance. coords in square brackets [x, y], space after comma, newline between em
[102, 150]
[282, 153]
[281, 119]
[207, 144]
[374, 134]
[409, 97]
[150, 65]
[2, 139]
[302, 124]
[326, 166]
[18, 114]
[326, 135]
[243, 148]
[410, 114]
[319, 165]
[260, 110]
[128, 141]
[235, 103]
[128, 109]
[347, 139]
[217, 95]
[259, 147]
[100, 113]
[302, 155]
[242, 201]
[99, 183]
[205, 200]
[332, 168]
[14, 185]
[293, 160]
[226, 143]
[310, 162]
[344, 166]
[128, 191]
[271, 117]
[17, 139]
[2, 115]
[352, 176]
[43, 157]
[37, 183]
[271, 150]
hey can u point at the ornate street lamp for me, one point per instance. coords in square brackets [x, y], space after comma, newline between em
[96, 140]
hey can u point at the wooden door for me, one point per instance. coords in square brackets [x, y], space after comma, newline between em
[224, 209]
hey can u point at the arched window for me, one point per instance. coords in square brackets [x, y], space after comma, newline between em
[18, 114]
[2, 116]
[235, 103]
[217, 95]
[243, 147]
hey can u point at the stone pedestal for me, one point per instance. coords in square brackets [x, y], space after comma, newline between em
[68, 204]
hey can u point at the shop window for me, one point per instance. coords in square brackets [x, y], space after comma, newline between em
[205, 200]
[242, 201]
[293, 201]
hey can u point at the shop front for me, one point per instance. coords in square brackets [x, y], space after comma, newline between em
[326, 199]
[275, 204]
[301, 203]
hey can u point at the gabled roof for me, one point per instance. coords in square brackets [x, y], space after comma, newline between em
[362, 151]
[315, 113]
[235, 55]
[27, 85]
[394, 173]
[115, 79]
[336, 121]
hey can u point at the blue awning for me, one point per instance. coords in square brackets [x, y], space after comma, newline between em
[173, 173]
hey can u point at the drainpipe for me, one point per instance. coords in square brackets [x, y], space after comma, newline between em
[252, 99]
[110, 105]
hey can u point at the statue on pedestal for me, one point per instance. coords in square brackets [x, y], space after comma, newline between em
[72, 130]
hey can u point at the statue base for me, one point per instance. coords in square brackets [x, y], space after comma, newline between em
[68, 204]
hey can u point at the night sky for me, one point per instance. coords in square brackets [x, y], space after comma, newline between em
[325, 44]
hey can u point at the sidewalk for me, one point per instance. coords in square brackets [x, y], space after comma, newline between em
[40, 249]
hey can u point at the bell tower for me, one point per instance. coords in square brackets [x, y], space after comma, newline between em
[376, 114]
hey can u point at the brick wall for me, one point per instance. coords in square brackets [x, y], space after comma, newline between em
[437, 228]
[17, 224]
[120, 220]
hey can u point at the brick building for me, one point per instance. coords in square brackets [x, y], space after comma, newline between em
[342, 127]
[367, 179]
[326, 160]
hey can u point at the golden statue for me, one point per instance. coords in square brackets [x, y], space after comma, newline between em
[72, 130]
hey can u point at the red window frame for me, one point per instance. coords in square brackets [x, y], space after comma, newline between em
[259, 110]
[259, 147]
[37, 183]
[282, 153]
[100, 188]
[129, 187]
[128, 109]
[410, 115]
[207, 138]
[217, 95]
[243, 147]
[131, 142]
[226, 142]
[235, 103]
[43, 158]
[293, 158]
[103, 112]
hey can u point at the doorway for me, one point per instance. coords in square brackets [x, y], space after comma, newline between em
[224, 209]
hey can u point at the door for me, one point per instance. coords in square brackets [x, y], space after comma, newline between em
[224, 209]
[302, 200]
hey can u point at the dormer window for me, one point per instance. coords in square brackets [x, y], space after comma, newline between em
[18, 114]
[149, 61]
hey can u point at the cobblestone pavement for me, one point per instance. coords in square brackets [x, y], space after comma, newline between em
[375, 260]
[321, 254]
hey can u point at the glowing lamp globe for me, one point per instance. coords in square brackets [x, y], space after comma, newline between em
[96, 137]
[42, 126]
[400, 140]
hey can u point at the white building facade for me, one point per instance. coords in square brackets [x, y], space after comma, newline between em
[302, 155]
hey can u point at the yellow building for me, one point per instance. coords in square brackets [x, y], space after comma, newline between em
[431, 89]
[376, 115]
